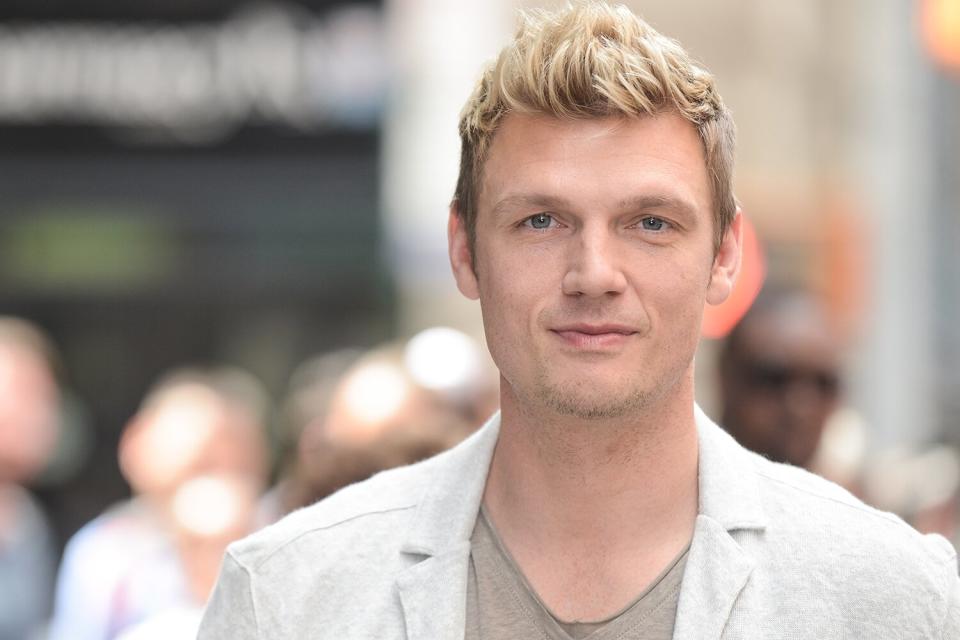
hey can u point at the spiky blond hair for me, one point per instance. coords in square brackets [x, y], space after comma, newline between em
[593, 60]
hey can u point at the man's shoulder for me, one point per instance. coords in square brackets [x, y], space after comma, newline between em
[827, 560]
[796, 520]
[337, 564]
[378, 506]
[820, 522]
[371, 520]
[375, 528]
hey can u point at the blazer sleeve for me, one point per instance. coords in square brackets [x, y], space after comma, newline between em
[951, 620]
[231, 613]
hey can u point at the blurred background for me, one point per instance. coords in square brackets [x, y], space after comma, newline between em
[259, 190]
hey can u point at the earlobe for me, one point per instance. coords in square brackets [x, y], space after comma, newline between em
[461, 259]
[726, 264]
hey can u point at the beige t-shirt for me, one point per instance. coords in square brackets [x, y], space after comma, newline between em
[501, 605]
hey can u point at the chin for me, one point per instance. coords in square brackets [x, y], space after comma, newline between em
[574, 401]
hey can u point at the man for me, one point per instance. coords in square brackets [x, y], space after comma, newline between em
[355, 415]
[30, 399]
[593, 220]
[195, 456]
[780, 376]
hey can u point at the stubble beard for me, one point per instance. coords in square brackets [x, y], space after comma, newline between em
[584, 400]
[578, 400]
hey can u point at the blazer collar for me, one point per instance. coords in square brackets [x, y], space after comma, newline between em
[433, 590]
[718, 567]
[728, 486]
[448, 510]
[446, 514]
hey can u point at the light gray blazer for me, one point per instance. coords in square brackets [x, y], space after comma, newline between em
[776, 553]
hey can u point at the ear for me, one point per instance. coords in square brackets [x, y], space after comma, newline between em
[726, 264]
[461, 259]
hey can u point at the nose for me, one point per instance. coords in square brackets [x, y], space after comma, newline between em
[593, 266]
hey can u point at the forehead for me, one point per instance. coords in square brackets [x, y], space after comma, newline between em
[603, 161]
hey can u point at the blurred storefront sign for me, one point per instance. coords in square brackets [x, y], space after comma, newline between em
[197, 82]
[237, 136]
[95, 250]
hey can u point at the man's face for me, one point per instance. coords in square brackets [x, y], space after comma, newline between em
[780, 382]
[594, 258]
[28, 413]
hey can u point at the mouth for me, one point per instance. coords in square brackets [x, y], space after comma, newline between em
[594, 337]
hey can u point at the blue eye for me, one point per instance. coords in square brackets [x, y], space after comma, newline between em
[653, 224]
[540, 221]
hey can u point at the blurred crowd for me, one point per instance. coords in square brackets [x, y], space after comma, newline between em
[209, 457]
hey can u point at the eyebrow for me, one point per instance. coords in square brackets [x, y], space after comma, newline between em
[658, 201]
[635, 203]
[530, 200]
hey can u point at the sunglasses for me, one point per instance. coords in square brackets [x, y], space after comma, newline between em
[777, 378]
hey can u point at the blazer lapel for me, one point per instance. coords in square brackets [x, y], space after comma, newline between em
[433, 595]
[716, 572]
[433, 590]
[718, 568]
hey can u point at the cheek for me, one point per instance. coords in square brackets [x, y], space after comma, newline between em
[505, 306]
[514, 280]
[682, 290]
[674, 302]
[513, 294]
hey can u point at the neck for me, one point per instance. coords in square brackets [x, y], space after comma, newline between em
[631, 479]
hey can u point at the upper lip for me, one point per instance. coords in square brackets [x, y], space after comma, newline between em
[596, 329]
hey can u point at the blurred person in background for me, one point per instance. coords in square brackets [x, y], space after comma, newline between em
[304, 407]
[29, 424]
[779, 376]
[196, 459]
[594, 219]
[921, 486]
[356, 415]
[780, 382]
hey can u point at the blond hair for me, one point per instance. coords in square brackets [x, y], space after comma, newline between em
[588, 61]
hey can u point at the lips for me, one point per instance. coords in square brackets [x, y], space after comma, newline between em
[595, 336]
[596, 329]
